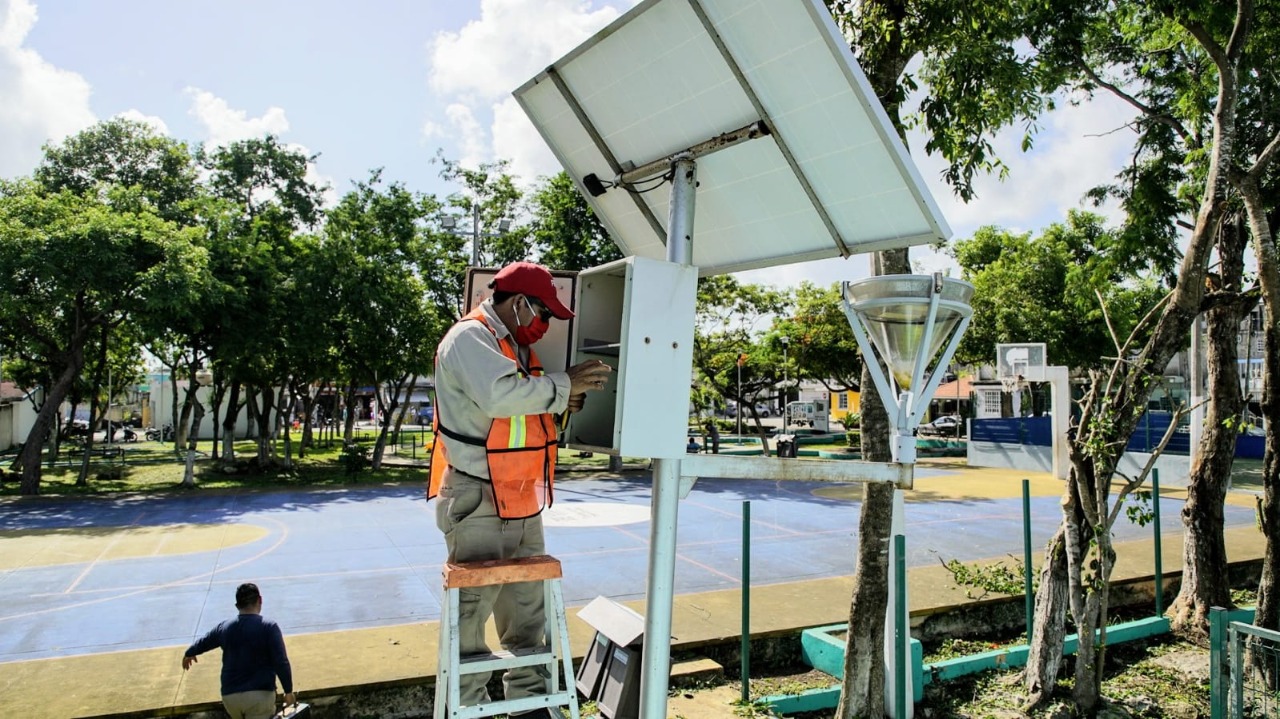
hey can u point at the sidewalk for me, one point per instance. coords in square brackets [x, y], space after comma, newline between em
[152, 683]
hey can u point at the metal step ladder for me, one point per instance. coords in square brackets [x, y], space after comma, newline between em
[452, 667]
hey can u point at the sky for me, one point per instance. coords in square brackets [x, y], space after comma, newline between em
[391, 83]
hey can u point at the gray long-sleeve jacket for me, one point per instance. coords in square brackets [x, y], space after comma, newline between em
[476, 383]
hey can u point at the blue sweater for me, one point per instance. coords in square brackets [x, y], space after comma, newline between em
[253, 654]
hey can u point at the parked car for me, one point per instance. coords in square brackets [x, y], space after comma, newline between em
[762, 409]
[945, 426]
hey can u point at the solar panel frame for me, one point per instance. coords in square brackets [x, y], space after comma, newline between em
[831, 179]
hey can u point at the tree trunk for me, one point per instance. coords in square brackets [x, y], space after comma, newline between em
[264, 428]
[189, 476]
[1204, 551]
[1268, 609]
[863, 693]
[229, 425]
[29, 457]
[349, 413]
[388, 415]
[1264, 248]
[82, 479]
[863, 690]
[1049, 630]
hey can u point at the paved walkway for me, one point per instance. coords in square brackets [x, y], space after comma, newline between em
[98, 598]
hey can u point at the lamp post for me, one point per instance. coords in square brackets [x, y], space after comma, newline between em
[450, 224]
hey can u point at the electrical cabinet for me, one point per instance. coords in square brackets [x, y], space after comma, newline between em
[636, 314]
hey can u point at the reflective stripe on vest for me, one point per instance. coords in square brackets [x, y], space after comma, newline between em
[520, 451]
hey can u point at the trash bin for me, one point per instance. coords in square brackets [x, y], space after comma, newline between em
[786, 445]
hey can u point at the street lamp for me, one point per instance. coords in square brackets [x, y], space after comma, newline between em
[450, 224]
[904, 320]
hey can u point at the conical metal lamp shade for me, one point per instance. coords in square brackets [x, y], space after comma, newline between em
[894, 309]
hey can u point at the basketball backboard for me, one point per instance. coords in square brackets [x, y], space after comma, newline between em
[1024, 360]
[815, 169]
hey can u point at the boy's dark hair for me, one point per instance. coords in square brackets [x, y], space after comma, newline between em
[247, 595]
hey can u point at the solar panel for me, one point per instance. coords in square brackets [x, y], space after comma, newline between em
[827, 177]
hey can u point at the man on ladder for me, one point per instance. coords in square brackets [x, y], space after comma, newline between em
[493, 459]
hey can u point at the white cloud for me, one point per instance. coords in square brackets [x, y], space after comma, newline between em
[516, 139]
[39, 103]
[223, 124]
[512, 40]
[136, 115]
[481, 64]
[470, 135]
[1076, 149]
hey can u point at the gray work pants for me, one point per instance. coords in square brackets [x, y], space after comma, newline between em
[465, 512]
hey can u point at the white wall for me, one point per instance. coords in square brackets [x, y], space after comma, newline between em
[6, 427]
[162, 408]
[1174, 468]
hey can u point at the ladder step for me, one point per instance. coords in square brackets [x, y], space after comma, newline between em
[492, 661]
[507, 706]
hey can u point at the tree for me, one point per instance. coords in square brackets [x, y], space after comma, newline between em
[977, 84]
[1048, 289]
[489, 188]
[821, 345]
[727, 328]
[256, 247]
[390, 330]
[124, 153]
[79, 265]
[1189, 98]
[566, 229]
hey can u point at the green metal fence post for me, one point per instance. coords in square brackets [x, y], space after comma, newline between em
[1159, 563]
[1029, 599]
[1217, 680]
[900, 627]
[746, 601]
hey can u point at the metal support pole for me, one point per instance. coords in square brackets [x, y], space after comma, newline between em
[1028, 597]
[746, 601]
[1159, 560]
[475, 234]
[900, 636]
[656, 666]
[1218, 674]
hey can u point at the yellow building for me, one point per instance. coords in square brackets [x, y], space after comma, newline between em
[843, 403]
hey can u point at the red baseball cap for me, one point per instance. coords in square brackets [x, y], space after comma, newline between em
[527, 278]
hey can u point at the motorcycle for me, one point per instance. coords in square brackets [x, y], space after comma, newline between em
[128, 435]
[164, 434]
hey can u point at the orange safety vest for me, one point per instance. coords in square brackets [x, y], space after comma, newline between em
[521, 450]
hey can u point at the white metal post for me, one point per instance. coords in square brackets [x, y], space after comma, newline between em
[664, 511]
[898, 526]
[475, 233]
[1060, 421]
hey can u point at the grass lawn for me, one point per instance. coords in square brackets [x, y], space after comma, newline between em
[157, 467]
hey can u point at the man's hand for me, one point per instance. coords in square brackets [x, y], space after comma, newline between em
[187, 662]
[290, 699]
[588, 376]
[576, 402]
